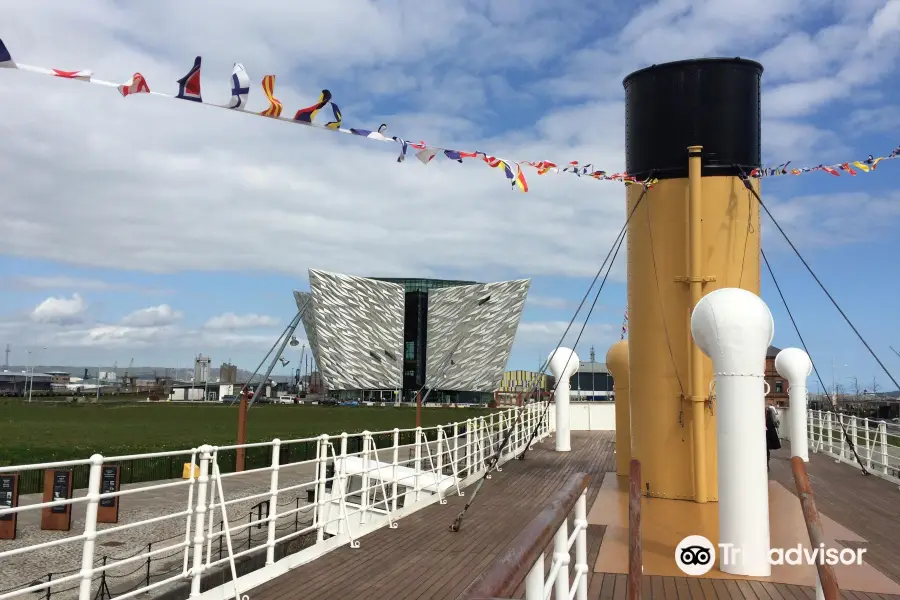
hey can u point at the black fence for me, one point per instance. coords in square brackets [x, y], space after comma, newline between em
[158, 468]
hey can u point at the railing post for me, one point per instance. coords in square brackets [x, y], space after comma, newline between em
[364, 491]
[341, 478]
[417, 465]
[395, 459]
[521, 433]
[883, 440]
[321, 476]
[456, 447]
[200, 515]
[90, 527]
[273, 501]
[468, 447]
[440, 456]
[561, 554]
[534, 582]
[854, 432]
[491, 430]
[581, 561]
[827, 424]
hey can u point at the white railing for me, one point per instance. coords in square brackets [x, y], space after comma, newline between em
[349, 495]
[523, 563]
[558, 583]
[877, 442]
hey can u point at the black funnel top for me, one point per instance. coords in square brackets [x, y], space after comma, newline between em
[709, 102]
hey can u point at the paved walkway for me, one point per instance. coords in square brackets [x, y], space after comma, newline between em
[62, 560]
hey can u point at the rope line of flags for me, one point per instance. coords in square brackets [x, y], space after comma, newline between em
[189, 89]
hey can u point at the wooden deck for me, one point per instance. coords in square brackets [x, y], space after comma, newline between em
[423, 559]
[867, 505]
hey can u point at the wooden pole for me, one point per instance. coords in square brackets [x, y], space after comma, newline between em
[242, 431]
[635, 560]
[814, 527]
[419, 408]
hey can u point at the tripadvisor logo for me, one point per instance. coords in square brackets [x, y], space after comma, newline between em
[696, 555]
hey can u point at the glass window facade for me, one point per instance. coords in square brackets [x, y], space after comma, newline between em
[415, 333]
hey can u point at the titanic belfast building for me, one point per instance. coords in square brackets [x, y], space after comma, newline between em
[374, 336]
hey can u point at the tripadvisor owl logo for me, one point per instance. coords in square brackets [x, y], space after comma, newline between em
[695, 555]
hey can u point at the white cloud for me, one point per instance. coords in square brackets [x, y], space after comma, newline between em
[151, 317]
[833, 219]
[60, 311]
[306, 198]
[357, 209]
[547, 301]
[544, 335]
[65, 282]
[230, 320]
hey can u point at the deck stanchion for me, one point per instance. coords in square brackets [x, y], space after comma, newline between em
[561, 557]
[456, 447]
[417, 465]
[635, 550]
[581, 561]
[534, 582]
[273, 501]
[90, 527]
[825, 572]
[200, 512]
[366, 480]
[321, 475]
[395, 459]
[341, 479]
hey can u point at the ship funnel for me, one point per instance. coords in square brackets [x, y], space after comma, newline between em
[734, 328]
[794, 365]
[563, 364]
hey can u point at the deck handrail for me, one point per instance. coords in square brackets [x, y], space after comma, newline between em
[444, 460]
[827, 579]
[523, 558]
[877, 442]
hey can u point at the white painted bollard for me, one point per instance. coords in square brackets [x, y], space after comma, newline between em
[794, 365]
[734, 328]
[563, 364]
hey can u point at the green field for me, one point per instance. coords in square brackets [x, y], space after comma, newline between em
[42, 432]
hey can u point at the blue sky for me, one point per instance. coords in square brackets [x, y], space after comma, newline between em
[133, 225]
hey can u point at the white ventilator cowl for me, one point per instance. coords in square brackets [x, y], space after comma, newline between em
[563, 363]
[795, 365]
[734, 328]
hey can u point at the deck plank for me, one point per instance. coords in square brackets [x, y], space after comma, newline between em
[866, 505]
[423, 559]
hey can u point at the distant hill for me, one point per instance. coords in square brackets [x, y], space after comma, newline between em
[183, 374]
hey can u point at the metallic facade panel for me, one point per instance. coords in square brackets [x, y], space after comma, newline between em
[469, 339]
[357, 324]
[305, 303]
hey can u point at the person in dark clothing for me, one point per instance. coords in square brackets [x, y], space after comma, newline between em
[773, 442]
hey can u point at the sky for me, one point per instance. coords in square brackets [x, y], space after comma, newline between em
[156, 229]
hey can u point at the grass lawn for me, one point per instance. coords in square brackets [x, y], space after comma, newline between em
[38, 432]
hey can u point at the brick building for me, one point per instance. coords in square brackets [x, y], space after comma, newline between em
[778, 386]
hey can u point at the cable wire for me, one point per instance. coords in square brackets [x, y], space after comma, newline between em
[617, 244]
[819, 377]
[747, 184]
